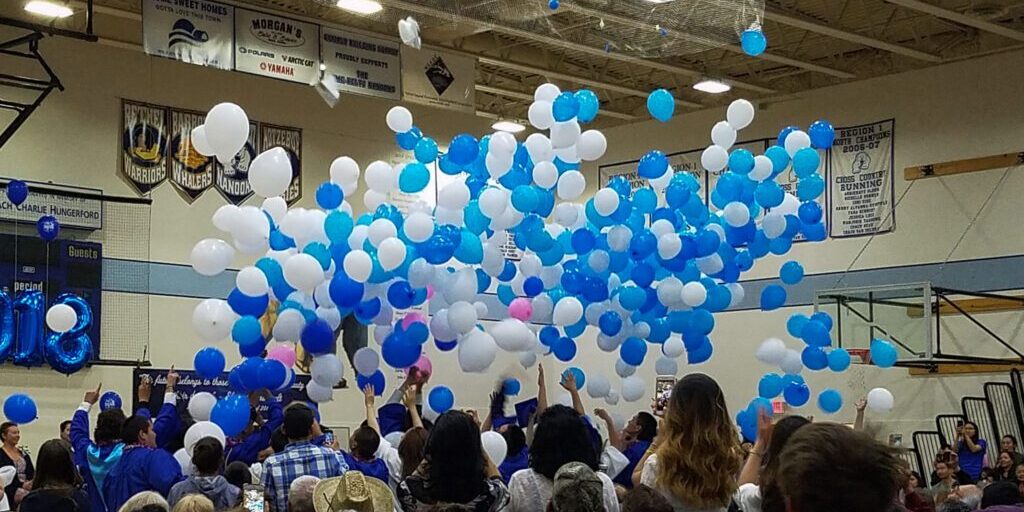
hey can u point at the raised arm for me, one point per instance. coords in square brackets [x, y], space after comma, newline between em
[497, 407]
[167, 423]
[569, 384]
[858, 422]
[371, 411]
[80, 421]
[542, 390]
[614, 436]
[410, 403]
[751, 472]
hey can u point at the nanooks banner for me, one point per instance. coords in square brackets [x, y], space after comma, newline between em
[276, 47]
[291, 140]
[232, 180]
[197, 31]
[143, 145]
[191, 173]
[440, 79]
[862, 195]
[362, 64]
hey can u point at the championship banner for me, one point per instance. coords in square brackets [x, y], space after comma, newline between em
[190, 383]
[277, 47]
[191, 173]
[862, 194]
[291, 140]
[197, 31]
[362, 64]
[143, 145]
[440, 79]
[232, 181]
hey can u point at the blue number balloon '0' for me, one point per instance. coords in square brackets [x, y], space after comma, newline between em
[68, 352]
[6, 325]
[29, 307]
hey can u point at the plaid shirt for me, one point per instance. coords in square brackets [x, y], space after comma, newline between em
[298, 459]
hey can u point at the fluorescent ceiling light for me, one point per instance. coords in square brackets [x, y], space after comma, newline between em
[49, 9]
[508, 126]
[361, 6]
[712, 86]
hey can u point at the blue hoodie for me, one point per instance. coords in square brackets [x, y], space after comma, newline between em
[94, 461]
[140, 469]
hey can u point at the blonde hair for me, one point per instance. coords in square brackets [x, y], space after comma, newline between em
[143, 499]
[698, 450]
[193, 503]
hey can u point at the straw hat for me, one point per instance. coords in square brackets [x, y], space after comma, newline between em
[352, 491]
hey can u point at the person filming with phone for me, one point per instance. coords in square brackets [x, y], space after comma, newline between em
[970, 448]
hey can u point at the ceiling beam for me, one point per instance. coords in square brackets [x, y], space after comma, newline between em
[558, 75]
[963, 19]
[555, 42]
[630, 22]
[519, 95]
[813, 26]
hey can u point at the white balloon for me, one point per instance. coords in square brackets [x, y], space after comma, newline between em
[380, 177]
[736, 214]
[421, 273]
[199, 143]
[391, 253]
[399, 119]
[226, 129]
[543, 308]
[319, 393]
[673, 347]
[512, 335]
[252, 282]
[276, 207]
[666, 366]
[763, 168]
[592, 145]
[546, 92]
[418, 227]
[624, 369]
[670, 291]
[454, 195]
[476, 351]
[772, 351]
[539, 148]
[303, 272]
[212, 319]
[661, 183]
[880, 400]
[694, 294]
[723, 134]
[199, 430]
[540, 115]
[791, 362]
[225, 217]
[567, 311]
[462, 317]
[395, 438]
[714, 158]
[773, 224]
[737, 292]
[528, 359]
[494, 201]
[498, 165]
[270, 172]
[358, 265]
[545, 175]
[606, 201]
[740, 114]
[598, 386]
[608, 343]
[440, 328]
[710, 265]
[330, 315]
[200, 405]
[184, 460]
[669, 245]
[366, 361]
[210, 256]
[326, 370]
[633, 388]
[795, 141]
[61, 318]
[571, 185]
[502, 143]
[409, 32]
[565, 134]
[495, 446]
[344, 170]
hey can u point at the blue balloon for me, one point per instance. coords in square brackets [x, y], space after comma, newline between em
[553, 4]
[830, 401]
[48, 228]
[67, 352]
[209, 362]
[781, 140]
[773, 297]
[806, 162]
[564, 349]
[741, 161]
[20, 408]
[344, 292]
[796, 394]
[661, 105]
[814, 358]
[426, 150]
[589, 105]
[791, 273]
[408, 140]
[524, 198]
[317, 337]
[511, 386]
[445, 346]
[441, 399]
[399, 352]
[272, 373]
[17, 191]
[883, 353]
[247, 330]
[633, 351]
[769, 194]
[110, 400]
[770, 385]
[700, 354]
[778, 156]
[809, 212]
[815, 334]
[414, 177]
[376, 381]
[549, 335]
[822, 134]
[583, 240]
[577, 374]
[838, 360]
[231, 414]
[249, 373]
[753, 42]
[253, 349]
[810, 187]
[243, 304]
[320, 252]
[795, 325]
[329, 195]
[463, 149]
[565, 107]
[368, 309]
[823, 318]
[533, 286]
[814, 232]
[653, 165]
[610, 323]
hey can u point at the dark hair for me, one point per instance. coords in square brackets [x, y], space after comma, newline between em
[863, 473]
[366, 441]
[278, 441]
[449, 507]
[648, 426]
[771, 496]
[515, 439]
[456, 458]
[5, 426]
[1000, 493]
[644, 499]
[108, 426]
[410, 449]
[153, 507]
[133, 427]
[64, 424]
[298, 421]
[208, 456]
[560, 437]
[237, 474]
[54, 467]
[977, 432]
[920, 483]
[1012, 438]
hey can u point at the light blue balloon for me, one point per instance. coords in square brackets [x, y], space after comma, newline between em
[810, 188]
[883, 353]
[830, 401]
[753, 42]
[779, 158]
[426, 150]
[791, 272]
[565, 107]
[770, 386]
[661, 105]
[822, 134]
[806, 162]
[769, 194]
[414, 178]
[589, 105]
[838, 360]
[773, 297]
[741, 161]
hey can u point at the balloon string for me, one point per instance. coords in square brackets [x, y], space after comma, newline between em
[977, 214]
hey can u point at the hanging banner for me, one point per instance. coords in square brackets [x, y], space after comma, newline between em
[143, 145]
[191, 173]
[440, 79]
[863, 197]
[277, 47]
[193, 31]
[63, 202]
[362, 64]
[190, 383]
[233, 180]
[291, 140]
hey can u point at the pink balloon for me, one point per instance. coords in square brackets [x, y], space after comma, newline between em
[424, 366]
[283, 353]
[430, 291]
[520, 309]
[412, 317]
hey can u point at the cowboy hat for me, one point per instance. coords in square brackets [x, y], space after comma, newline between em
[352, 491]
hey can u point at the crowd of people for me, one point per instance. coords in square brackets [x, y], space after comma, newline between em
[686, 457]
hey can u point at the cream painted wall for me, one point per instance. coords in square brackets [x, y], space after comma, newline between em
[955, 111]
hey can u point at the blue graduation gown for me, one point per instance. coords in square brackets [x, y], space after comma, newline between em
[94, 462]
[375, 468]
[166, 424]
[140, 469]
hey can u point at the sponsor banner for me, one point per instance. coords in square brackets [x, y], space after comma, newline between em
[191, 173]
[143, 145]
[362, 64]
[862, 194]
[277, 47]
[440, 79]
[194, 31]
[232, 180]
[291, 140]
[70, 210]
[190, 383]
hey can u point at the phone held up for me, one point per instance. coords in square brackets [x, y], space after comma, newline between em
[253, 498]
[662, 392]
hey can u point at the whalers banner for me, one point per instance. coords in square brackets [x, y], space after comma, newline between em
[193, 31]
[276, 47]
[191, 173]
[862, 195]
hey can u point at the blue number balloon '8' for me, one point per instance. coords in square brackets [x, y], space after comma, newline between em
[67, 352]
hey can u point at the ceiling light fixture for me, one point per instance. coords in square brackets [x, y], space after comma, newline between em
[508, 126]
[49, 9]
[712, 86]
[361, 6]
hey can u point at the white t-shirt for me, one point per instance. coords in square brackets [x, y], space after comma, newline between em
[613, 461]
[389, 454]
[7, 474]
[648, 477]
[531, 492]
[748, 498]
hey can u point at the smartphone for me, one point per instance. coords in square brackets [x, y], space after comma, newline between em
[253, 498]
[662, 392]
[329, 439]
[960, 424]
